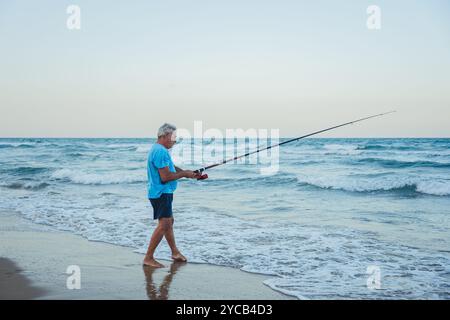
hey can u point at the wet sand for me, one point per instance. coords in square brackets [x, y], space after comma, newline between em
[34, 261]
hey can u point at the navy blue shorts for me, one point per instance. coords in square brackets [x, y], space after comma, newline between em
[162, 206]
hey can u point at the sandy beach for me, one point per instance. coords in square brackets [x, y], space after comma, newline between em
[34, 260]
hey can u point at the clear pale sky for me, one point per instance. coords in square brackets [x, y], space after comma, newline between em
[293, 65]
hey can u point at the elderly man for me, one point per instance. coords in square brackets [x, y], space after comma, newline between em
[162, 182]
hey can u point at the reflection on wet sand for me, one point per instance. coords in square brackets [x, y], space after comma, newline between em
[163, 292]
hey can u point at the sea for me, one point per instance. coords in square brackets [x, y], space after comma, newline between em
[335, 218]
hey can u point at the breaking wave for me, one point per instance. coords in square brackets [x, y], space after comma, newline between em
[392, 163]
[435, 188]
[116, 177]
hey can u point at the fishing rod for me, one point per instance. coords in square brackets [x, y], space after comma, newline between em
[205, 176]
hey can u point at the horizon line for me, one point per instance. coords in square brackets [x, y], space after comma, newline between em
[285, 137]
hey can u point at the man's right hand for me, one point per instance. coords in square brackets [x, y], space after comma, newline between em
[190, 174]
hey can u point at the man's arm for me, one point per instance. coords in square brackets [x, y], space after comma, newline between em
[178, 169]
[166, 175]
[196, 175]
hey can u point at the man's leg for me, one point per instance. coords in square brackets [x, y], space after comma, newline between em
[170, 237]
[163, 226]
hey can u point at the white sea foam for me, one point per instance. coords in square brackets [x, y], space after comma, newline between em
[342, 149]
[143, 148]
[17, 144]
[436, 187]
[114, 177]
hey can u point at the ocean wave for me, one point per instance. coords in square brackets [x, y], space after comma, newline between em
[143, 148]
[16, 145]
[395, 185]
[259, 180]
[335, 146]
[75, 154]
[373, 147]
[342, 149]
[305, 162]
[118, 177]
[392, 163]
[138, 147]
[24, 171]
[122, 146]
[19, 185]
[438, 153]
[434, 188]
[325, 149]
[387, 147]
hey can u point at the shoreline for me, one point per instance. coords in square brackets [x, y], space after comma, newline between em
[39, 262]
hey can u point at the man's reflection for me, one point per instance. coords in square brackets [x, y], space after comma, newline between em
[152, 291]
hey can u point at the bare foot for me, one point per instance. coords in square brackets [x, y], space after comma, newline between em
[151, 262]
[179, 257]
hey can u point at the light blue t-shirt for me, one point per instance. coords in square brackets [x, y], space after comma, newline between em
[158, 158]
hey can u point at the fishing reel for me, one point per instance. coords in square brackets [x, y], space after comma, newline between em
[203, 176]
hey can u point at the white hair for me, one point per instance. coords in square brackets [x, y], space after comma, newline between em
[166, 128]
